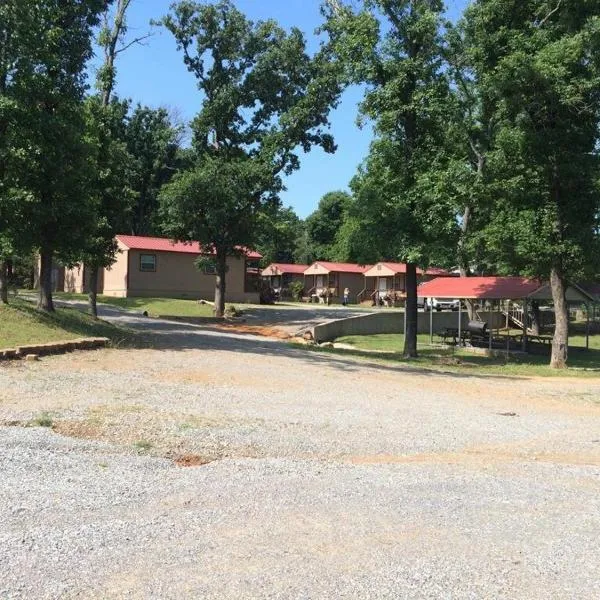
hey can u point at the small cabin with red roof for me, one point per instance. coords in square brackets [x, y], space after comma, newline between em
[329, 279]
[388, 280]
[279, 276]
[159, 267]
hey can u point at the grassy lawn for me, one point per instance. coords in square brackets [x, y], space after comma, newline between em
[390, 346]
[21, 323]
[156, 307]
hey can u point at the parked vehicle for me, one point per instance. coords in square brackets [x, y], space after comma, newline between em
[438, 303]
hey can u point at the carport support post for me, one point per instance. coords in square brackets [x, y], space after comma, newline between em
[507, 328]
[459, 322]
[525, 314]
[587, 326]
[430, 324]
[491, 327]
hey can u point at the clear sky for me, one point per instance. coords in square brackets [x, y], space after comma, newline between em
[154, 74]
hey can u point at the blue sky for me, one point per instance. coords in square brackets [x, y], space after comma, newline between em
[154, 75]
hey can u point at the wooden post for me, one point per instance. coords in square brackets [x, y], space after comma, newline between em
[459, 322]
[491, 327]
[525, 313]
[587, 326]
[430, 326]
[507, 329]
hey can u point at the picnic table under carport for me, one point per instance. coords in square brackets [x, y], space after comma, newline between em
[496, 290]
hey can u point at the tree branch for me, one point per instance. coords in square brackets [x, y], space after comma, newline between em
[137, 40]
[549, 14]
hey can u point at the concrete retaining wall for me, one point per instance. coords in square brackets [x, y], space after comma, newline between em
[392, 321]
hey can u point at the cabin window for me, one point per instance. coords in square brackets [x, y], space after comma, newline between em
[209, 268]
[148, 262]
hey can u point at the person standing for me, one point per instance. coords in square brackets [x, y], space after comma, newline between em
[346, 296]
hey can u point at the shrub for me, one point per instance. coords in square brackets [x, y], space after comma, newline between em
[296, 289]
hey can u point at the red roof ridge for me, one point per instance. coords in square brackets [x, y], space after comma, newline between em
[342, 267]
[158, 244]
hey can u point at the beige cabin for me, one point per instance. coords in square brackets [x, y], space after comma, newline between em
[158, 267]
[385, 282]
[278, 276]
[324, 280]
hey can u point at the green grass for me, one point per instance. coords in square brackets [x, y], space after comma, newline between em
[21, 323]
[44, 420]
[156, 307]
[390, 346]
[143, 446]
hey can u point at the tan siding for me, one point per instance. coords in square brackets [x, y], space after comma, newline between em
[177, 276]
[355, 282]
[74, 280]
[316, 269]
[115, 277]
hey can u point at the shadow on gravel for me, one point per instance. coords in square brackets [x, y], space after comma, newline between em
[160, 334]
[163, 335]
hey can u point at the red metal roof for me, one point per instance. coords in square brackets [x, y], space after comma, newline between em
[275, 268]
[339, 267]
[480, 288]
[401, 268]
[138, 242]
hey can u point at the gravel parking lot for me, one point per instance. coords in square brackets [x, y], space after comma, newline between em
[312, 476]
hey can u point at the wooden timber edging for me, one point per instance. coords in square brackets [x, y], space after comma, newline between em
[90, 343]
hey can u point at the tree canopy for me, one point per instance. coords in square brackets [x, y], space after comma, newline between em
[262, 98]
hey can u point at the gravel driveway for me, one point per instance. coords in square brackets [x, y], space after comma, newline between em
[314, 476]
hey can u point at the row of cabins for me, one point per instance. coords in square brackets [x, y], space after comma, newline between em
[159, 267]
[384, 281]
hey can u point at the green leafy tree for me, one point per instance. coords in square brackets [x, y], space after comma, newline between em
[108, 175]
[49, 84]
[17, 43]
[107, 189]
[280, 231]
[395, 48]
[263, 97]
[323, 224]
[154, 143]
[541, 64]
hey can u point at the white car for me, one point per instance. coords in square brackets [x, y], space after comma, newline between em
[442, 304]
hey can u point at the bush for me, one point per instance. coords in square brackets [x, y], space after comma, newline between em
[296, 289]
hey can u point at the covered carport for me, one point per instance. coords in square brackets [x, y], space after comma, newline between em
[500, 293]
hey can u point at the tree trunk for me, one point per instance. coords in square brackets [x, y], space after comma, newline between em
[3, 283]
[93, 293]
[410, 334]
[560, 340]
[536, 317]
[220, 284]
[463, 263]
[45, 297]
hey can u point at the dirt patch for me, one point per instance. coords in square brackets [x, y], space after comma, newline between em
[191, 460]
[262, 330]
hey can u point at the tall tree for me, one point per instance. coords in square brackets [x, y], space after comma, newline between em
[50, 82]
[108, 189]
[263, 97]
[395, 48]
[17, 42]
[9, 52]
[280, 232]
[323, 224]
[541, 59]
[153, 141]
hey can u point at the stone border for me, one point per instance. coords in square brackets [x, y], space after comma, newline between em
[90, 343]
